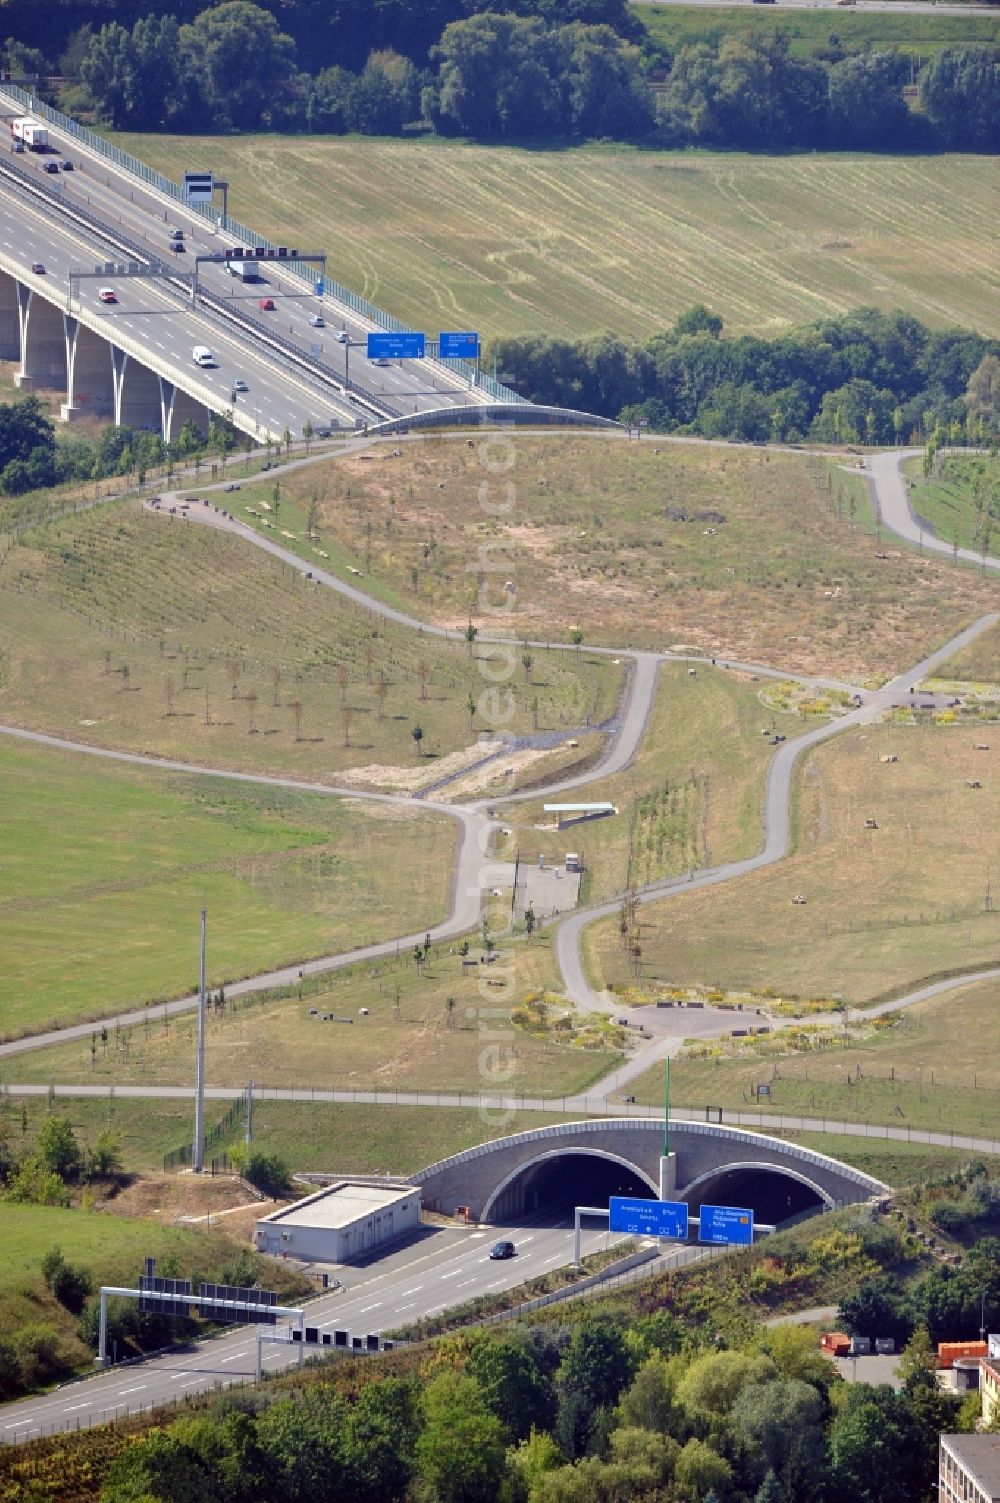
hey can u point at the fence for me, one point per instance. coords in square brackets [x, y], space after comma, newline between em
[246, 236]
[180, 1158]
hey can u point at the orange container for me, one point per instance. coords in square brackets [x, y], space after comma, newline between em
[948, 1351]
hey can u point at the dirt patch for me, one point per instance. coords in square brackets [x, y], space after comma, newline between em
[414, 779]
[167, 1197]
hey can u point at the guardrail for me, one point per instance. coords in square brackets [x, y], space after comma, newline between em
[250, 331]
[246, 236]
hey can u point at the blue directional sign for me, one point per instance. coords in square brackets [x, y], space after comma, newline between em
[648, 1218]
[730, 1224]
[396, 346]
[463, 346]
[319, 287]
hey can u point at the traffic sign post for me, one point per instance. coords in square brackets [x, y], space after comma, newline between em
[458, 346]
[462, 345]
[406, 346]
[732, 1225]
[649, 1218]
[198, 187]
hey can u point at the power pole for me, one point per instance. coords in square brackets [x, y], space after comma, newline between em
[249, 1134]
[198, 1148]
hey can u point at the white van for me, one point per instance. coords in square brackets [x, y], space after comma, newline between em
[202, 355]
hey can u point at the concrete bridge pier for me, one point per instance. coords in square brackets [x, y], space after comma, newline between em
[177, 408]
[136, 391]
[89, 380]
[10, 323]
[43, 344]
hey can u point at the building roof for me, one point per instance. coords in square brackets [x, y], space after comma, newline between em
[980, 1456]
[341, 1205]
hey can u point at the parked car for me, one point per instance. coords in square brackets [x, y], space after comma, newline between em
[503, 1250]
[266, 304]
[38, 268]
[107, 295]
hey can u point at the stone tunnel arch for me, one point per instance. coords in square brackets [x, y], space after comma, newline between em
[764, 1183]
[508, 1196]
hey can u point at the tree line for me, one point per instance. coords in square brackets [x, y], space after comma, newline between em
[866, 377]
[520, 71]
[33, 458]
[636, 1404]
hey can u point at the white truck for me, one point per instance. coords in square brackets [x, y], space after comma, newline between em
[247, 271]
[33, 135]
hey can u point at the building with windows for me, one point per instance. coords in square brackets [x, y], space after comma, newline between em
[969, 1469]
[989, 1382]
[341, 1222]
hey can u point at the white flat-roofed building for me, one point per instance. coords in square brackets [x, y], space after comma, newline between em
[969, 1469]
[340, 1222]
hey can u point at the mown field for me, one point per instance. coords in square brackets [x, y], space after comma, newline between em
[126, 629]
[929, 1067]
[921, 35]
[512, 241]
[885, 907]
[693, 795]
[104, 870]
[726, 551]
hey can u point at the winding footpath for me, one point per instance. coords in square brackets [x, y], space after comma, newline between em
[474, 868]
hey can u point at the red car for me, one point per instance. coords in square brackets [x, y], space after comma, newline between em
[107, 295]
[267, 304]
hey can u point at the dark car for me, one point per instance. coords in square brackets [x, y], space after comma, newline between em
[51, 166]
[503, 1250]
[67, 166]
[38, 268]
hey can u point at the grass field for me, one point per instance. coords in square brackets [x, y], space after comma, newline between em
[570, 242]
[977, 663]
[955, 499]
[407, 1041]
[930, 1069]
[884, 908]
[921, 35]
[348, 1138]
[104, 871]
[694, 791]
[594, 538]
[221, 641]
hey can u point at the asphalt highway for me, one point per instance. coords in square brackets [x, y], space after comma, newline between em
[148, 216]
[439, 1268]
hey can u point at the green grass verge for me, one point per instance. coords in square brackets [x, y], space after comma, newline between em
[105, 868]
[959, 500]
[567, 243]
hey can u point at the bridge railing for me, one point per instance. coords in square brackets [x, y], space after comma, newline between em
[126, 162]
